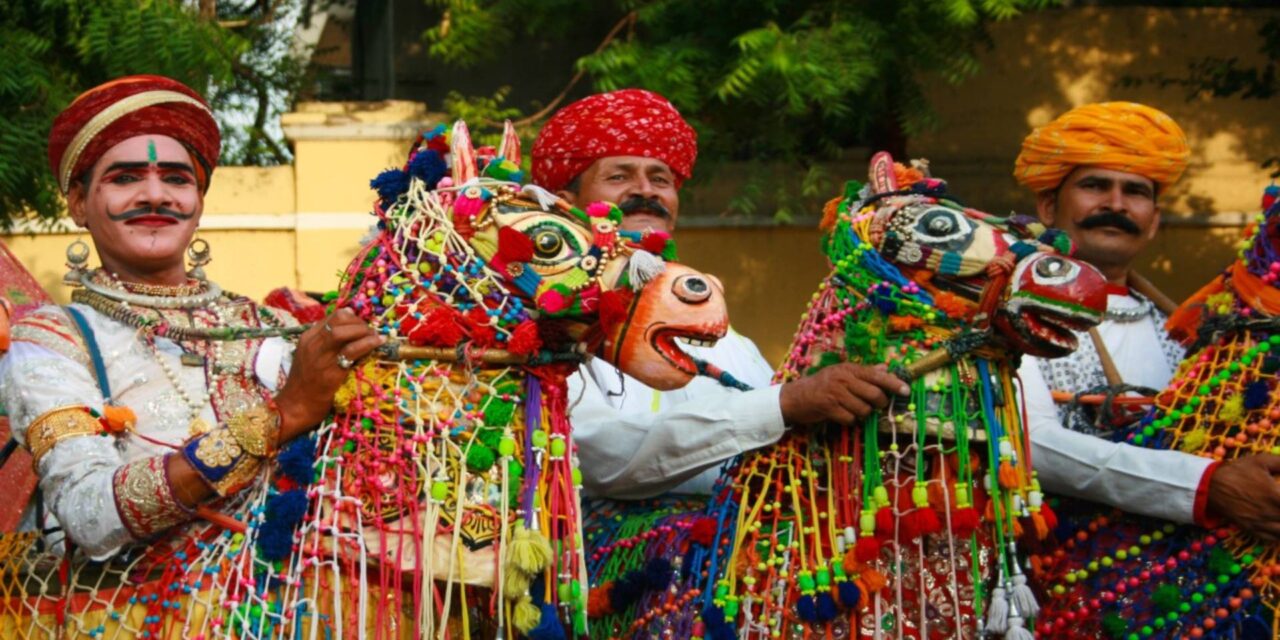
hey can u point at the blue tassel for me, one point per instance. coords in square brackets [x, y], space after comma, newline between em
[1256, 394]
[657, 573]
[885, 304]
[298, 460]
[716, 627]
[390, 184]
[826, 607]
[428, 166]
[807, 609]
[287, 508]
[549, 627]
[849, 594]
[275, 542]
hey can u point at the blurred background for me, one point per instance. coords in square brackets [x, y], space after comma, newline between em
[789, 98]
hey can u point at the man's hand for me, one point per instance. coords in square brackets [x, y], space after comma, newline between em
[317, 370]
[839, 393]
[1245, 492]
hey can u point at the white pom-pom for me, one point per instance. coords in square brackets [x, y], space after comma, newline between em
[643, 267]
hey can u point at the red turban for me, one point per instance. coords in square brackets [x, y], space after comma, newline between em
[113, 112]
[629, 122]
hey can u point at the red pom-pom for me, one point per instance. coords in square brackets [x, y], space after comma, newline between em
[482, 333]
[927, 521]
[439, 327]
[297, 303]
[964, 522]
[524, 339]
[513, 246]
[655, 241]
[867, 549]
[884, 523]
[614, 306]
[703, 531]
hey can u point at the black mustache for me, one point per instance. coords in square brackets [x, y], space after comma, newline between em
[640, 203]
[146, 211]
[1110, 219]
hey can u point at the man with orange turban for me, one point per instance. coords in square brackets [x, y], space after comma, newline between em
[155, 392]
[632, 148]
[1097, 172]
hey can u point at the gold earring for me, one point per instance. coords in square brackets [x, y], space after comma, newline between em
[198, 253]
[77, 262]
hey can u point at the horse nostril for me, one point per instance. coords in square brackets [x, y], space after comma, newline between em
[692, 289]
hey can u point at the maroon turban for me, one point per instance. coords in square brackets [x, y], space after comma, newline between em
[629, 122]
[113, 112]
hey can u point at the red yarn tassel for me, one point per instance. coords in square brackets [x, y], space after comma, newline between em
[927, 521]
[1050, 518]
[964, 522]
[598, 600]
[867, 549]
[884, 523]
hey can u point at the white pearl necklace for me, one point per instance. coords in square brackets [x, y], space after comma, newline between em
[195, 406]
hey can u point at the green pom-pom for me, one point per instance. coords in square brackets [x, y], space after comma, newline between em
[489, 437]
[479, 458]
[1166, 598]
[497, 413]
[669, 251]
[1115, 626]
[1220, 561]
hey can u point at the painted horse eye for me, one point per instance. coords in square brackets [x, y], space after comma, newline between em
[941, 226]
[692, 288]
[547, 244]
[1051, 267]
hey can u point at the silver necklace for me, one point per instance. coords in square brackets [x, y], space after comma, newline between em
[1125, 316]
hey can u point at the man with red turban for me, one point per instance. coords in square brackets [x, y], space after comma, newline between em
[1097, 172]
[155, 392]
[632, 148]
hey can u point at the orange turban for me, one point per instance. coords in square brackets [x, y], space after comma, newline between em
[1121, 136]
[115, 111]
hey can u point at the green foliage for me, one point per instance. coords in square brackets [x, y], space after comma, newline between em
[763, 81]
[54, 49]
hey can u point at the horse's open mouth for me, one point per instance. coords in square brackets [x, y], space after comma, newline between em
[664, 340]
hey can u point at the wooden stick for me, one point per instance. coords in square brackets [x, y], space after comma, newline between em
[1164, 303]
[1108, 365]
[1064, 397]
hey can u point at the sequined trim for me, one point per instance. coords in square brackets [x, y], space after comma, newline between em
[52, 330]
[57, 425]
[218, 449]
[220, 461]
[145, 499]
[255, 430]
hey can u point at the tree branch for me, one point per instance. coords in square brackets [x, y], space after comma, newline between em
[627, 20]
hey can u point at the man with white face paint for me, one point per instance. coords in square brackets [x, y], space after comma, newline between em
[632, 148]
[155, 392]
[1097, 171]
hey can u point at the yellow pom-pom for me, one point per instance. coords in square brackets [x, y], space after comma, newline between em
[1193, 441]
[1232, 410]
[526, 616]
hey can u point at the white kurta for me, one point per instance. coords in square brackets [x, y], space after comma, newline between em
[1150, 482]
[76, 474]
[636, 442]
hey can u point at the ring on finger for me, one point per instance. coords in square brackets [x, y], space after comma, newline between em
[328, 327]
[345, 362]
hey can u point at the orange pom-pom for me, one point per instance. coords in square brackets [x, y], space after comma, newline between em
[1008, 475]
[1038, 524]
[598, 600]
[829, 213]
[954, 306]
[872, 581]
[899, 324]
[117, 419]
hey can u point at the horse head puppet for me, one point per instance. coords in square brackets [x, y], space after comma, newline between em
[903, 523]
[1011, 274]
[451, 450]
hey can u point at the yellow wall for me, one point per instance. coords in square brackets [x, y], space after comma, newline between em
[299, 225]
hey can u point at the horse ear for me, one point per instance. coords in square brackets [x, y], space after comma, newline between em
[510, 149]
[464, 155]
[881, 173]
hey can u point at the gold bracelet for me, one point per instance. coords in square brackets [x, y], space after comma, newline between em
[54, 426]
[256, 431]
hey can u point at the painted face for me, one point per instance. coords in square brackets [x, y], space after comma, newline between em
[1111, 216]
[141, 205]
[681, 303]
[644, 188]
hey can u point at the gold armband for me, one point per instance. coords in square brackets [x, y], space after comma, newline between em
[57, 425]
[230, 456]
[256, 431]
